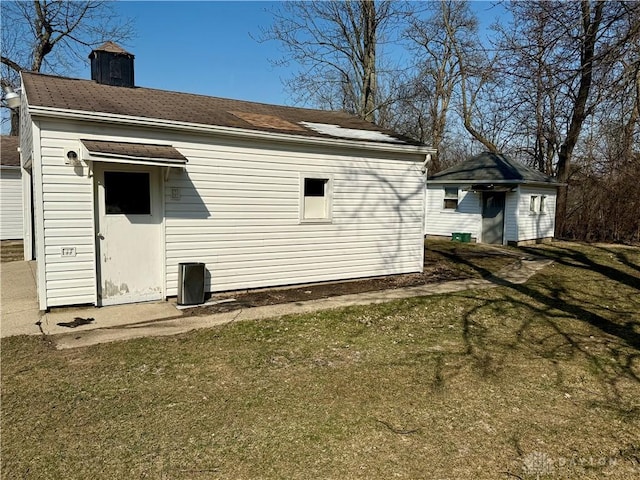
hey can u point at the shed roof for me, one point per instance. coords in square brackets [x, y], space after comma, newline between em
[71, 94]
[9, 155]
[488, 168]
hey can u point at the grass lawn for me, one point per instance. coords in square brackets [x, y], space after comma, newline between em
[540, 380]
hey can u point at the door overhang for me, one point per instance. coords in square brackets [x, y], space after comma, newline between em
[132, 153]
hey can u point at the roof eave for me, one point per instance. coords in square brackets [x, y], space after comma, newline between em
[40, 111]
[496, 182]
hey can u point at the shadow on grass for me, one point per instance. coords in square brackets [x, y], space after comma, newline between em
[560, 316]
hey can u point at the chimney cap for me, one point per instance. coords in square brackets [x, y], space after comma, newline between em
[111, 48]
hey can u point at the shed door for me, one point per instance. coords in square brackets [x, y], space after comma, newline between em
[493, 217]
[129, 233]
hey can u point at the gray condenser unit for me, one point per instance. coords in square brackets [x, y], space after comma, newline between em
[190, 283]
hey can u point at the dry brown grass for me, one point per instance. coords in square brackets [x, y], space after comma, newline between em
[11, 250]
[540, 380]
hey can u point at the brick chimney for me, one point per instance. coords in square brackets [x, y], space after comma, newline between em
[112, 65]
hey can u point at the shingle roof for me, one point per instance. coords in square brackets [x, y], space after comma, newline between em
[9, 155]
[490, 168]
[86, 95]
[112, 48]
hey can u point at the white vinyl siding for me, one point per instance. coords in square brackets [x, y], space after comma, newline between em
[236, 207]
[467, 218]
[511, 216]
[67, 198]
[239, 213]
[10, 204]
[536, 224]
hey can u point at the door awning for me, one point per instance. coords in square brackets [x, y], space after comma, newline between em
[134, 153]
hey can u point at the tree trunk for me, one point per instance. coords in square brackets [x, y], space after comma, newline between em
[369, 64]
[589, 34]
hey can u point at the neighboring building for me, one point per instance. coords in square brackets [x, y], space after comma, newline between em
[130, 182]
[10, 189]
[494, 198]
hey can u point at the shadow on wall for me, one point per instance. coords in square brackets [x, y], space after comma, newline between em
[393, 198]
[182, 198]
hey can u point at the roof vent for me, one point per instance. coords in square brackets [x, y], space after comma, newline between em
[112, 65]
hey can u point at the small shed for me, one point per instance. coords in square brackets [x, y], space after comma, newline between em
[494, 199]
[10, 189]
[130, 183]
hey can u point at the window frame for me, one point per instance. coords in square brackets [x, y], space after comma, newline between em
[449, 197]
[533, 202]
[328, 197]
[542, 209]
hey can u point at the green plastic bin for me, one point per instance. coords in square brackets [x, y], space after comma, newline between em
[461, 237]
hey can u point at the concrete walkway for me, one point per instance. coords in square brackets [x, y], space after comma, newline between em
[79, 327]
[19, 312]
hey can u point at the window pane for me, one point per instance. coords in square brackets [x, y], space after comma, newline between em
[450, 203]
[127, 193]
[314, 187]
[450, 192]
[532, 203]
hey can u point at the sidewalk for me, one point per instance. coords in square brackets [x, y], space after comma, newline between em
[79, 327]
[19, 312]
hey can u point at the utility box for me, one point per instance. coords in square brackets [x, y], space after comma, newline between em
[190, 283]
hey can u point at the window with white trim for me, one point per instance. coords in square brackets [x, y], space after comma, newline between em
[450, 198]
[316, 199]
[532, 203]
[543, 204]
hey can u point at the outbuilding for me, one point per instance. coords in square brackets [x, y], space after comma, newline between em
[130, 183]
[10, 189]
[491, 198]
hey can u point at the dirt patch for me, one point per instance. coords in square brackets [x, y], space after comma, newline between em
[258, 298]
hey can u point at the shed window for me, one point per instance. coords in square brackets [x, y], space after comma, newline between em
[450, 198]
[532, 203]
[127, 193]
[543, 204]
[316, 199]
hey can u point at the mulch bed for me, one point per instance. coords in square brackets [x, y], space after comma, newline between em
[434, 273]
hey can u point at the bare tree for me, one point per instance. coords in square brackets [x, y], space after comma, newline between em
[561, 57]
[438, 74]
[336, 46]
[54, 36]
[473, 65]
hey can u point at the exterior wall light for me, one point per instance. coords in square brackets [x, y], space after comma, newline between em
[11, 98]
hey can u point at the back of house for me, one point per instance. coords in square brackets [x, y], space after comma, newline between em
[131, 183]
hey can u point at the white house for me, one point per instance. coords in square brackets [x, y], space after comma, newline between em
[10, 190]
[130, 182]
[494, 199]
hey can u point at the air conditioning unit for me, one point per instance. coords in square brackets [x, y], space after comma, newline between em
[190, 283]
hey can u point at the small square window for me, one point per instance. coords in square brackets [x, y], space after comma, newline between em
[127, 193]
[316, 199]
[532, 203]
[450, 198]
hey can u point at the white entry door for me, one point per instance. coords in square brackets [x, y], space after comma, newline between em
[129, 233]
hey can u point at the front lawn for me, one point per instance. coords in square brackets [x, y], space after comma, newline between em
[540, 380]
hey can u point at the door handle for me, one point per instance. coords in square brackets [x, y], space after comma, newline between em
[100, 236]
